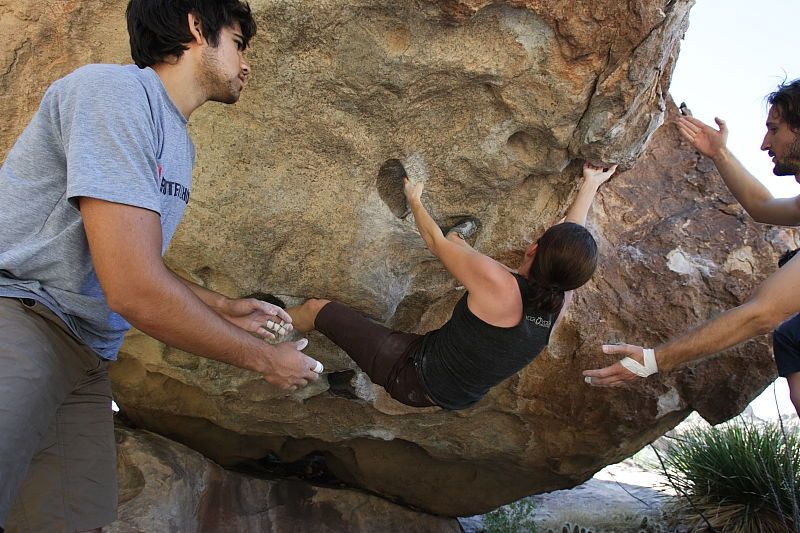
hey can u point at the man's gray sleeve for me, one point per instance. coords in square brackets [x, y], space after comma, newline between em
[110, 141]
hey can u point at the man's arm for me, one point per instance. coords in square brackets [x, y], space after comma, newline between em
[775, 300]
[214, 300]
[748, 191]
[251, 314]
[125, 243]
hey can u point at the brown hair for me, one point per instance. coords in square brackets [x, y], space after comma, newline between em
[565, 259]
[786, 101]
[159, 29]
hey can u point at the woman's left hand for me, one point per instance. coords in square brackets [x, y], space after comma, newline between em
[413, 190]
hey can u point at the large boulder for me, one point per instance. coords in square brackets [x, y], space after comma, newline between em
[494, 105]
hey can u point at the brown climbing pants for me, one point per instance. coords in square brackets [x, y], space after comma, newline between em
[385, 355]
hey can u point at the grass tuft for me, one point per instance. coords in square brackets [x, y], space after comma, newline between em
[738, 477]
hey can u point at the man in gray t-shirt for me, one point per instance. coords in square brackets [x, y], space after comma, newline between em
[90, 196]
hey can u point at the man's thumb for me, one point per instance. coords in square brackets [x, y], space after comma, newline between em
[301, 344]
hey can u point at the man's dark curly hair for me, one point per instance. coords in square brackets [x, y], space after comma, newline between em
[786, 101]
[159, 29]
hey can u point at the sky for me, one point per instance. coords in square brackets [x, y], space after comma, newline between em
[734, 54]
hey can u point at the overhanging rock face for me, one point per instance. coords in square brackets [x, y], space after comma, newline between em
[164, 486]
[494, 105]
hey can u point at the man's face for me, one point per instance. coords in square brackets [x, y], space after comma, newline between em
[224, 68]
[783, 145]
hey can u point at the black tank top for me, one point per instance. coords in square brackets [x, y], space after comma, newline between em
[462, 360]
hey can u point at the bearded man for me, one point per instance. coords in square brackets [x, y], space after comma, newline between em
[777, 298]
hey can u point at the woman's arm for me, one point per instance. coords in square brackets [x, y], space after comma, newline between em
[479, 274]
[567, 301]
[429, 230]
[593, 177]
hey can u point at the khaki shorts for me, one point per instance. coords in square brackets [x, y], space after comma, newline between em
[57, 450]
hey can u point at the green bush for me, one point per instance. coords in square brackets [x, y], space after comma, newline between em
[738, 477]
[515, 517]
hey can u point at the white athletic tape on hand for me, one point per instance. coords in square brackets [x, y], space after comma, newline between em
[277, 327]
[648, 368]
[318, 368]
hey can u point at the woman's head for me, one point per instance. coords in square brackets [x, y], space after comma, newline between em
[565, 259]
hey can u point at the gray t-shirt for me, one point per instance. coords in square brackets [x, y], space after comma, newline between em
[109, 132]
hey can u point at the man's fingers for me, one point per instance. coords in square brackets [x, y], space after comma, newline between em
[281, 314]
[686, 132]
[610, 381]
[601, 372]
[687, 123]
[271, 310]
[619, 349]
[263, 333]
[281, 328]
[315, 366]
[694, 121]
[301, 344]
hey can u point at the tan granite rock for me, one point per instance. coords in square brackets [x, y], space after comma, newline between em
[493, 104]
[169, 488]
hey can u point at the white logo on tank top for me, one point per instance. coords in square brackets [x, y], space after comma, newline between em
[539, 321]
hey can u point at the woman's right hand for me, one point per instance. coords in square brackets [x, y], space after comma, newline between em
[596, 174]
[413, 190]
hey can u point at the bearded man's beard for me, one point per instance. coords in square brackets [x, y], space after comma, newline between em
[789, 165]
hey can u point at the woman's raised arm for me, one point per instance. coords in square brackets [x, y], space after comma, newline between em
[593, 177]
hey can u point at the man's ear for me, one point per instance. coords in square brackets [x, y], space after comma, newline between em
[196, 28]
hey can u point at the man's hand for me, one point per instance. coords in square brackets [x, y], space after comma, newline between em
[412, 190]
[616, 374]
[253, 316]
[289, 368]
[596, 174]
[706, 140]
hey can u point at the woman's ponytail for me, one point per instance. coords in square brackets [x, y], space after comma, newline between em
[565, 259]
